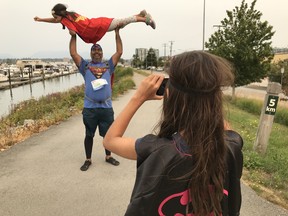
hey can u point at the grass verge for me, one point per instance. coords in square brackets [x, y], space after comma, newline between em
[33, 116]
[266, 174]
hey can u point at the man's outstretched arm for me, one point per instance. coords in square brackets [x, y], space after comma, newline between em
[119, 48]
[73, 49]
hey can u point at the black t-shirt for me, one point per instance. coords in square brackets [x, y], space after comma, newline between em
[161, 189]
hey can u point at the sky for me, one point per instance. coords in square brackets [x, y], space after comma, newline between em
[179, 25]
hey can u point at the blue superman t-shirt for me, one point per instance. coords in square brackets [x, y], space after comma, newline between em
[93, 74]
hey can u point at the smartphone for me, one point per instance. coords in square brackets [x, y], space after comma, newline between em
[162, 87]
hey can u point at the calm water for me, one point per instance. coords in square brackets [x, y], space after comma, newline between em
[8, 97]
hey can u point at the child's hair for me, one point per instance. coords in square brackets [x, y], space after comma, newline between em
[193, 107]
[60, 10]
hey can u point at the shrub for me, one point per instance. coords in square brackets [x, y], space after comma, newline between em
[255, 107]
[281, 116]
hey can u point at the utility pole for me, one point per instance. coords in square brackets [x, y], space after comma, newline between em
[282, 73]
[165, 50]
[219, 27]
[171, 45]
[204, 11]
[10, 85]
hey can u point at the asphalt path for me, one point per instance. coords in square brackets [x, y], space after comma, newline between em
[41, 177]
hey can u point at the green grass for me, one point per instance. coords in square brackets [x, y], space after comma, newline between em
[269, 170]
[255, 107]
[122, 81]
[51, 105]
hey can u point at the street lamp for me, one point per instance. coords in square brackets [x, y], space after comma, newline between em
[218, 26]
[203, 25]
[282, 73]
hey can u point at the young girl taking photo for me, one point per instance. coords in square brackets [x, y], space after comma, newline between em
[193, 164]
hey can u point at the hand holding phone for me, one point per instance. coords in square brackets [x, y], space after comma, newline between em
[162, 87]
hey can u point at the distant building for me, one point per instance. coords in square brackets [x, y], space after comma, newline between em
[280, 57]
[280, 50]
[280, 54]
[37, 67]
[66, 59]
[33, 64]
[143, 52]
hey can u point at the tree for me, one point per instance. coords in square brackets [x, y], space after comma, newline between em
[245, 41]
[275, 74]
[161, 62]
[151, 59]
[136, 62]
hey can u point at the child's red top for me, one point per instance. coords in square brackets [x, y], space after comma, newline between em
[90, 30]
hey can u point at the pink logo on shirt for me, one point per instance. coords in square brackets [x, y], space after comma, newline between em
[183, 198]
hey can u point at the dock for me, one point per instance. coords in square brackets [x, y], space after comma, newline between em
[18, 81]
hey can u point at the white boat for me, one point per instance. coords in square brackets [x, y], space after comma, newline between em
[3, 78]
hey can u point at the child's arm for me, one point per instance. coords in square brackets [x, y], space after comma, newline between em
[49, 20]
[114, 140]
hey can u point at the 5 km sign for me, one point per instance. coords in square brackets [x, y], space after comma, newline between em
[271, 105]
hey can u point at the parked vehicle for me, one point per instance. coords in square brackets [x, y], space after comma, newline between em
[159, 69]
[3, 78]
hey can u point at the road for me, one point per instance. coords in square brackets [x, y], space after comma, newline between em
[41, 177]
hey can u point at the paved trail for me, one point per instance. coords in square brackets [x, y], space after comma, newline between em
[41, 176]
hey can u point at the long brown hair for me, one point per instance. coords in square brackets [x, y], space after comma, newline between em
[61, 10]
[193, 107]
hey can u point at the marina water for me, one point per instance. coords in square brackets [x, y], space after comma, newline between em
[13, 96]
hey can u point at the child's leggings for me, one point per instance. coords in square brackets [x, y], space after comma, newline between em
[124, 21]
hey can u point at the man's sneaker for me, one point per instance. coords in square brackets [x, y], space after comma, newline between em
[112, 161]
[86, 165]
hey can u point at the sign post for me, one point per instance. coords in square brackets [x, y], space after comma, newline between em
[267, 117]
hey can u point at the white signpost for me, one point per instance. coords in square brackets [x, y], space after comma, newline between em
[267, 117]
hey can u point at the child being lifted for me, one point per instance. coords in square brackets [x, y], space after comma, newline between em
[92, 30]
